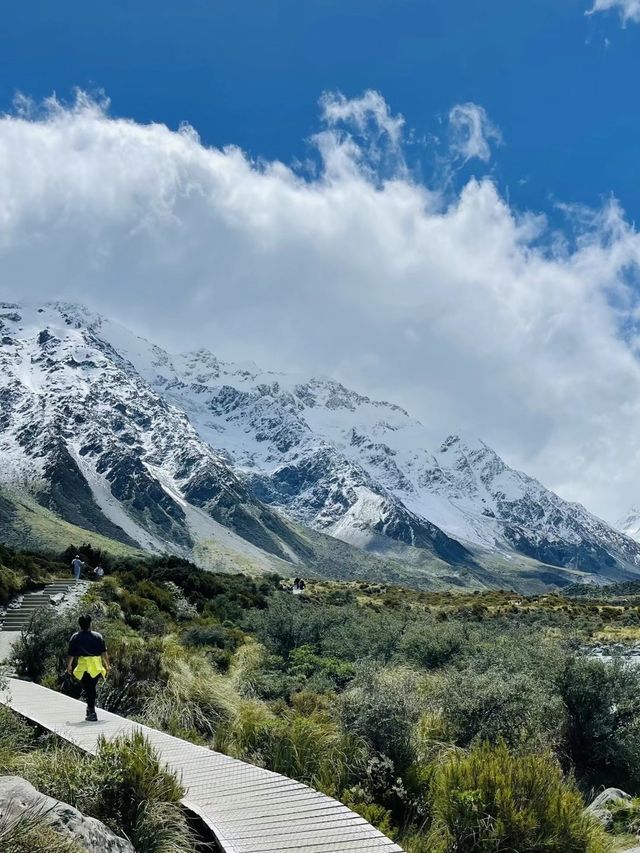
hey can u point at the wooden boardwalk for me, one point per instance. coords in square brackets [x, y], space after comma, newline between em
[248, 809]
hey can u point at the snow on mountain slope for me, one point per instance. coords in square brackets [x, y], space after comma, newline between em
[81, 430]
[180, 451]
[630, 524]
[363, 471]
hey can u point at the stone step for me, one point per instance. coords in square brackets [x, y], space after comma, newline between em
[18, 618]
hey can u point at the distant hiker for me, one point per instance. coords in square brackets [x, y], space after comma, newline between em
[98, 572]
[296, 583]
[88, 661]
[76, 567]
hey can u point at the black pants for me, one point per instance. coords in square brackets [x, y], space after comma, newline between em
[89, 686]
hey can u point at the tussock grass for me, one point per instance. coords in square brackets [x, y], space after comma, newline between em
[193, 700]
[124, 785]
[312, 749]
[29, 832]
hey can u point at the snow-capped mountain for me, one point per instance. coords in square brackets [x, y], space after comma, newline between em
[82, 431]
[86, 435]
[165, 446]
[363, 471]
[630, 524]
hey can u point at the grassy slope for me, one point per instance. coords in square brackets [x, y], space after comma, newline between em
[26, 524]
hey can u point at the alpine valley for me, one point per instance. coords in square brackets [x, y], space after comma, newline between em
[109, 439]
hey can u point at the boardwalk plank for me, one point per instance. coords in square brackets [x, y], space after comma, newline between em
[248, 809]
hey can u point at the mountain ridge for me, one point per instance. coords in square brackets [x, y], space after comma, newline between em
[164, 450]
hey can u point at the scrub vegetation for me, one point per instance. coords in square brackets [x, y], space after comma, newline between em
[474, 723]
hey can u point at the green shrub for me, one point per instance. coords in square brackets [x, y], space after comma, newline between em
[311, 749]
[287, 624]
[626, 817]
[329, 672]
[191, 699]
[603, 728]
[362, 803]
[494, 705]
[64, 773]
[43, 644]
[212, 635]
[354, 633]
[134, 787]
[136, 670]
[23, 570]
[382, 707]
[433, 645]
[490, 801]
[10, 584]
[15, 734]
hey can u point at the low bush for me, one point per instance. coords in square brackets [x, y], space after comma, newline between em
[10, 584]
[432, 645]
[15, 734]
[311, 749]
[361, 802]
[603, 726]
[382, 707]
[625, 815]
[191, 699]
[495, 705]
[212, 635]
[21, 570]
[43, 644]
[136, 670]
[491, 801]
[124, 785]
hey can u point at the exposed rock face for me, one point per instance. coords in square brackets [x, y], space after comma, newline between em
[366, 472]
[17, 796]
[90, 428]
[192, 455]
[91, 440]
[600, 807]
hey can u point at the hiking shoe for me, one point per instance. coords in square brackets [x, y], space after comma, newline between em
[91, 717]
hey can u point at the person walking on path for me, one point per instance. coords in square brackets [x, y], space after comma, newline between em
[76, 567]
[88, 661]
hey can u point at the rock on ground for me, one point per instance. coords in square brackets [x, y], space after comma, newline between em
[17, 796]
[600, 807]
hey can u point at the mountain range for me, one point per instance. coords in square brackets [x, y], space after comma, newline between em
[106, 435]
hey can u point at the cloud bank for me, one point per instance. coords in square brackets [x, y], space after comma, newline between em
[473, 315]
[629, 9]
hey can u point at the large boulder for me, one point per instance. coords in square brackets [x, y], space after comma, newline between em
[17, 796]
[600, 807]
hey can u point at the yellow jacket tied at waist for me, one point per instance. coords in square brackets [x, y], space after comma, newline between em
[94, 666]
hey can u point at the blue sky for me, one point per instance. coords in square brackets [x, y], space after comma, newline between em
[561, 86]
[451, 297]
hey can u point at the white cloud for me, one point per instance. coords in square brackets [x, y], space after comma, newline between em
[629, 9]
[370, 107]
[472, 315]
[472, 132]
[363, 133]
